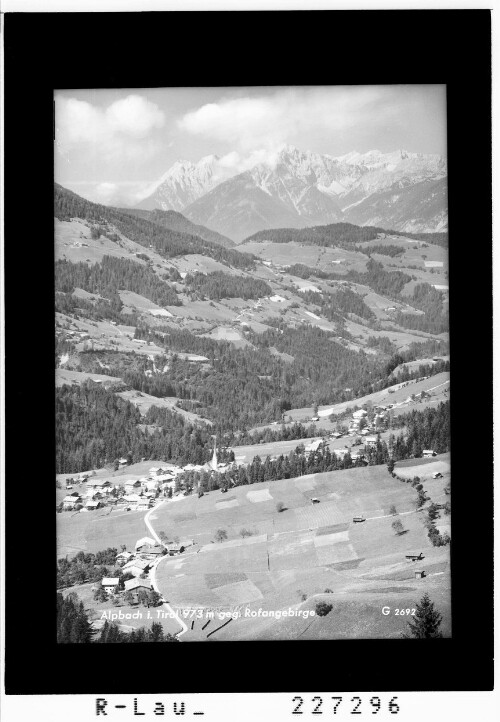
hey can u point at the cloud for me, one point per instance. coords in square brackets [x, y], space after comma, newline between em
[120, 130]
[265, 122]
[235, 162]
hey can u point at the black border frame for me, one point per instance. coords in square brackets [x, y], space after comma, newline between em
[71, 50]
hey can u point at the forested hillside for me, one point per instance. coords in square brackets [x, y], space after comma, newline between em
[219, 285]
[339, 234]
[334, 306]
[95, 427]
[168, 243]
[177, 222]
[111, 275]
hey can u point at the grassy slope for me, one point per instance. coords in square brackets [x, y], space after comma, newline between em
[365, 572]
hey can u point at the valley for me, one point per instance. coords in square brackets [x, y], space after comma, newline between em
[238, 403]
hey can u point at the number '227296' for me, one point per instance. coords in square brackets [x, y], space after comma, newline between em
[354, 705]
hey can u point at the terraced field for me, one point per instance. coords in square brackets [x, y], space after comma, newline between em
[295, 555]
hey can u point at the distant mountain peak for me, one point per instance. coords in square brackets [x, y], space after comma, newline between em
[301, 187]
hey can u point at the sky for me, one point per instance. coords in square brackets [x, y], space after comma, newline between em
[113, 144]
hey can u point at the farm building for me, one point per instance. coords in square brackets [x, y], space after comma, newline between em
[109, 584]
[135, 585]
[69, 502]
[371, 441]
[151, 552]
[98, 484]
[123, 557]
[357, 456]
[131, 486]
[428, 453]
[175, 549]
[136, 567]
[359, 414]
[144, 541]
[132, 498]
[314, 446]
[93, 504]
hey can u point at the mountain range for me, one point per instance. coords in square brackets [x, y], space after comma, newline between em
[397, 190]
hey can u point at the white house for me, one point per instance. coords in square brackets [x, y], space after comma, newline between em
[428, 453]
[124, 557]
[371, 441]
[359, 414]
[144, 540]
[70, 501]
[357, 456]
[314, 446]
[109, 584]
[132, 498]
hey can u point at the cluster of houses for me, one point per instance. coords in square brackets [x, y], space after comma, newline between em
[136, 565]
[131, 492]
[360, 424]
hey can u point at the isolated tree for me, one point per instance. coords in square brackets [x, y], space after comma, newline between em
[397, 526]
[143, 597]
[220, 535]
[162, 535]
[392, 510]
[123, 547]
[154, 598]
[433, 511]
[323, 608]
[390, 466]
[100, 594]
[280, 506]
[124, 578]
[245, 532]
[128, 598]
[426, 622]
[421, 499]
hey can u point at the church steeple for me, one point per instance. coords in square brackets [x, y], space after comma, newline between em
[213, 463]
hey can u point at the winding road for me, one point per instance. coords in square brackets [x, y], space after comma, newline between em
[152, 573]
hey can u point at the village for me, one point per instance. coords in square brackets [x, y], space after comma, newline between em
[364, 428]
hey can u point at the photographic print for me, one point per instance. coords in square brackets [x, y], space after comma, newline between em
[252, 363]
